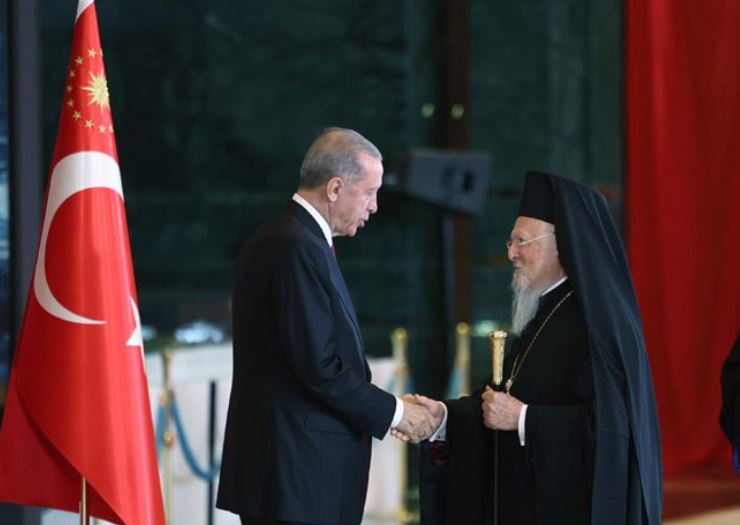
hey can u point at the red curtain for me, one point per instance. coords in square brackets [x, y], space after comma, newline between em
[683, 209]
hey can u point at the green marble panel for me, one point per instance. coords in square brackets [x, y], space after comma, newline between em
[215, 102]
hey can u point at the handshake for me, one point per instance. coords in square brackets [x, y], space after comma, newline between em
[421, 418]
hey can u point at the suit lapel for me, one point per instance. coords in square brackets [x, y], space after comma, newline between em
[338, 281]
[335, 275]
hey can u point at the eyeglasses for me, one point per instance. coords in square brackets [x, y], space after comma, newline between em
[523, 242]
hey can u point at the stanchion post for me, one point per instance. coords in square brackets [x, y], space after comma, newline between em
[399, 344]
[462, 356]
[166, 401]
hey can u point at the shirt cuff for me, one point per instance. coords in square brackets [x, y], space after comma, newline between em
[522, 418]
[398, 415]
[441, 433]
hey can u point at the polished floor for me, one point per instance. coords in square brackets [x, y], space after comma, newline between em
[710, 496]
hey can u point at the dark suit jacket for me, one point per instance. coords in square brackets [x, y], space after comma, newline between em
[302, 408]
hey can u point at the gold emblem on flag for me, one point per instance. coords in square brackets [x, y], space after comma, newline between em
[88, 99]
[98, 89]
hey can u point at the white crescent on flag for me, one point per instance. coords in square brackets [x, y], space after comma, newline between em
[73, 174]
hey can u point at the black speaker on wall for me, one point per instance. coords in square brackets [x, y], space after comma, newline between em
[456, 181]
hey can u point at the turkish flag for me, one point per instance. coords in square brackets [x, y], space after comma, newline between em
[77, 403]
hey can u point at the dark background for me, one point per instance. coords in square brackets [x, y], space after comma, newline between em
[215, 103]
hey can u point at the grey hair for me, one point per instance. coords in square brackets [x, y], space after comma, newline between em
[334, 153]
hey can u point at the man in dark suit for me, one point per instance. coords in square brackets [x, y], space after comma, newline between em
[302, 410]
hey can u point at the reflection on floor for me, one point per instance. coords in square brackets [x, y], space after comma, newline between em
[720, 517]
[710, 496]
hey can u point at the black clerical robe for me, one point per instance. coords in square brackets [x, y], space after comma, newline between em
[549, 479]
[626, 484]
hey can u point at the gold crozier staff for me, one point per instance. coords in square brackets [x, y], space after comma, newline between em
[498, 340]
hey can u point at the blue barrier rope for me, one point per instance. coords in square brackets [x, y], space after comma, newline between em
[205, 475]
[200, 472]
[455, 385]
[408, 387]
[187, 451]
[391, 388]
[159, 430]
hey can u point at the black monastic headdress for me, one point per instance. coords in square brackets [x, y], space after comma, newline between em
[537, 198]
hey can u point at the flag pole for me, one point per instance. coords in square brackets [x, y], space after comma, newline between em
[83, 503]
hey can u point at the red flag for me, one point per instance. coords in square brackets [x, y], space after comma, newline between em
[77, 403]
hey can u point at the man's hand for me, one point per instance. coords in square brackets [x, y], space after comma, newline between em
[436, 409]
[500, 410]
[421, 418]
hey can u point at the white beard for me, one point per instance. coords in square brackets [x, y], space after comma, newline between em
[524, 306]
